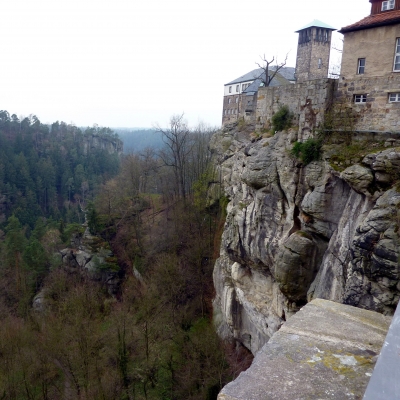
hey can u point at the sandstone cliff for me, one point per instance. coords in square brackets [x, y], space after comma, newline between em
[294, 233]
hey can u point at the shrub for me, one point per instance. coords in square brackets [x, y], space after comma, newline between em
[307, 151]
[282, 119]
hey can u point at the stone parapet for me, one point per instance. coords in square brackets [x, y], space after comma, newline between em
[325, 351]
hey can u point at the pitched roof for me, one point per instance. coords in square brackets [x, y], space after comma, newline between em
[372, 21]
[247, 77]
[286, 72]
[318, 24]
[278, 80]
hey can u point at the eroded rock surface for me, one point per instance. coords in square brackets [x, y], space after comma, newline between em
[294, 233]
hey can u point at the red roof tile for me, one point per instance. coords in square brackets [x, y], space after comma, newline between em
[385, 18]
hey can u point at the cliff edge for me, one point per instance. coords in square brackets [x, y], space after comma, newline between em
[297, 232]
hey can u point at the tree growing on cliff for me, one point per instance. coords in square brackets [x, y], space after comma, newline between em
[177, 148]
[269, 71]
[186, 152]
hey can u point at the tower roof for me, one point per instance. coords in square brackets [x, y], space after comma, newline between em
[317, 24]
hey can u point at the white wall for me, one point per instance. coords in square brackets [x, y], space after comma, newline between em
[226, 88]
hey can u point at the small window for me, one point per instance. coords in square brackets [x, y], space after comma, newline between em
[396, 66]
[319, 63]
[237, 99]
[229, 100]
[360, 98]
[230, 89]
[394, 97]
[387, 5]
[237, 88]
[361, 66]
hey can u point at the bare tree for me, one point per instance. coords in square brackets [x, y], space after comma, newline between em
[178, 146]
[269, 71]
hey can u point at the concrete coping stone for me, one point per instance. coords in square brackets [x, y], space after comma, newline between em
[325, 351]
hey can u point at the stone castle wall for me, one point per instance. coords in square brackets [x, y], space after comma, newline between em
[308, 101]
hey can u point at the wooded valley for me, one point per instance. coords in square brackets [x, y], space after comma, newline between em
[158, 215]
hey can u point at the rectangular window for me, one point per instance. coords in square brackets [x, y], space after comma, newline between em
[237, 100]
[394, 97]
[360, 98]
[387, 5]
[396, 66]
[230, 89]
[361, 66]
[237, 88]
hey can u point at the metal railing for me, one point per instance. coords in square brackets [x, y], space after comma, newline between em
[385, 380]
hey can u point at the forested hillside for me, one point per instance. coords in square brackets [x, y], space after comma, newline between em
[47, 171]
[156, 226]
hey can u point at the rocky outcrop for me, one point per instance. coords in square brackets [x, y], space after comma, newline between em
[104, 142]
[86, 257]
[294, 233]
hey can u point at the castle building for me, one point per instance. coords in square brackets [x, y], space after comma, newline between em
[364, 100]
[240, 95]
[370, 73]
[313, 51]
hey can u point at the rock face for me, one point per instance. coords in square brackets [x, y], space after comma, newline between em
[294, 233]
[331, 359]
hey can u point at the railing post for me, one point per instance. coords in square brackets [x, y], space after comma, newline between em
[385, 381]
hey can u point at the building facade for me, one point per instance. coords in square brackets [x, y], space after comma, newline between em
[240, 95]
[370, 74]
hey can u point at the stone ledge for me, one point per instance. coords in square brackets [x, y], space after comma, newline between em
[325, 351]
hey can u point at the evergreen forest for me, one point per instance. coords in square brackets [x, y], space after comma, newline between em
[106, 265]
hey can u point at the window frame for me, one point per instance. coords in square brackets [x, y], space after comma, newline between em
[388, 5]
[396, 97]
[361, 68]
[360, 98]
[230, 89]
[396, 56]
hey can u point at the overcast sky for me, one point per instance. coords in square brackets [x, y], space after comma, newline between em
[134, 63]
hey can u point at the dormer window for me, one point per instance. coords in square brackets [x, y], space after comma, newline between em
[387, 5]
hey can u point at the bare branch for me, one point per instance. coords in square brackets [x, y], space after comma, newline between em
[268, 74]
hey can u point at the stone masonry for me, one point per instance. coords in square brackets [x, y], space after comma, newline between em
[377, 114]
[310, 52]
[308, 101]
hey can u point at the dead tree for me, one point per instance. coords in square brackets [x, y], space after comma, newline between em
[269, 71]
[178, 147]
